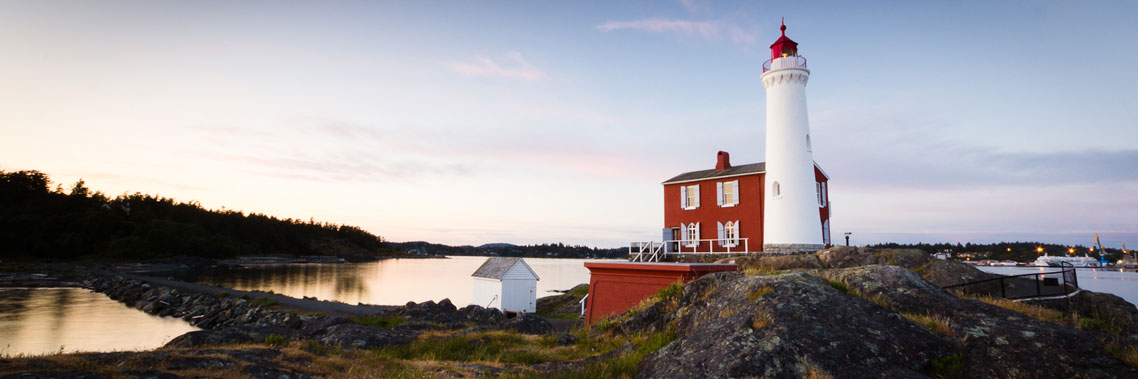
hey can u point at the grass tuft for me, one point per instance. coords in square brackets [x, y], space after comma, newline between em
[948, 366]
[263, 302]
[839, 285]
[1034, 311]
[759, 292]
[942, 326]
[386, 322]
[760, 321]
[1111, 327]
[276, 340]
[1128, 355]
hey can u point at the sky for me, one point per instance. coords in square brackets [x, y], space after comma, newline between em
[465, 122]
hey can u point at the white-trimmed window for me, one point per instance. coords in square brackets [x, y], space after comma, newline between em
[728, 233]
[690, 234]
[727, 193]
[821, 188]
[689, 196]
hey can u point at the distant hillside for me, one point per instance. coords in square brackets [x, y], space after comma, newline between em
[554, 250]
[37, 222]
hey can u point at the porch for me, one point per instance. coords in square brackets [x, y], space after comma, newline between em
[653, 251]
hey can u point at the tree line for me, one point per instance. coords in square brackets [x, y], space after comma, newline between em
[1016, 251]
[548, 250]
[38, 222]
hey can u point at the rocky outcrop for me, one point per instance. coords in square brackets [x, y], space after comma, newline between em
[566, 304]
[878, 320]
[200, 310]
[729, 325]
[1103, 311]
[834, 257]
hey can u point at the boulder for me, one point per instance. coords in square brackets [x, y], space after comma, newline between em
[364, 337]
[530, 324]
[226, 336]
[787, 325]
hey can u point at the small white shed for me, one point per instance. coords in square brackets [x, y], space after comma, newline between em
[508, 284]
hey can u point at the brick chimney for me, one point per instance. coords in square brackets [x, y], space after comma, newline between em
[723, 161]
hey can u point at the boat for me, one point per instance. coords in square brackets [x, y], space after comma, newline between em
[1058, 261]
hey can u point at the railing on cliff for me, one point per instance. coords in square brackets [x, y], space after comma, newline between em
[1026, 286]
[784, 62]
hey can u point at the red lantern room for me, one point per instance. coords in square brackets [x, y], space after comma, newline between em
[783, 47]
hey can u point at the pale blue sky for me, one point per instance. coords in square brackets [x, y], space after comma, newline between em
[477, 122]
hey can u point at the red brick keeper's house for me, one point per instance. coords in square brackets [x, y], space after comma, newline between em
[721, 210]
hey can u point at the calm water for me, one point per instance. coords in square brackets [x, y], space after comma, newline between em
[1122, 284]
[390, 281]
[37, 321]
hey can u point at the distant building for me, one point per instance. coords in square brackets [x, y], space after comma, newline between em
[942, 255]
[508, 284]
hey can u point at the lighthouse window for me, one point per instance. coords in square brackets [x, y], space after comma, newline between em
[808, 148]
[776, 190]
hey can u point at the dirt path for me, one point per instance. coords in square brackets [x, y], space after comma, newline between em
[303, 305]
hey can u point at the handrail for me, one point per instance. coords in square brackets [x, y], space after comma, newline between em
[583, 304]
[1070, 279]
[797, 62]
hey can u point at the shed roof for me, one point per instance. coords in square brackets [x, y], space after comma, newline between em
[497, 267]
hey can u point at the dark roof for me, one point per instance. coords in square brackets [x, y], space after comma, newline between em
[497, 267]
[753, 168]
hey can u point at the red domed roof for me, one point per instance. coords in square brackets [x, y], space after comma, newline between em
[783, 45]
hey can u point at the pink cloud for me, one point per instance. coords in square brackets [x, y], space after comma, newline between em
[514, 66]
[708, 30]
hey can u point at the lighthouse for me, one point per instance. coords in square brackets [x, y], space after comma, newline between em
[791, 216]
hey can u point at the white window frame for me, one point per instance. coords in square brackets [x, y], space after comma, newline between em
[728, 233]
[689, 197]
[721, 191]
[692, 234]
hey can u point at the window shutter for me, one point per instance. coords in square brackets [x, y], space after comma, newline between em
[696, 205]
[721, 235]
[719, 193]
[683, 233]
[738, 232]
[684, 197]
[735, 191]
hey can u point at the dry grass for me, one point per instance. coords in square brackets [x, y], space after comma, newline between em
[760, 321]
[812, 371]
[759, 292]
[1034, 311]
[940, 325]
[761, 270]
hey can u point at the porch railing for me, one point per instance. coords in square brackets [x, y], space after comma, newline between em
[653, 251]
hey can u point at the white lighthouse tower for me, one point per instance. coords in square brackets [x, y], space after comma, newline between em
[790, 219]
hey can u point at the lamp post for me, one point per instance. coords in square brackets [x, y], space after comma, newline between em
[848, 238]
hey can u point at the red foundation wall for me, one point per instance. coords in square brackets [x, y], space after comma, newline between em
[614, 287]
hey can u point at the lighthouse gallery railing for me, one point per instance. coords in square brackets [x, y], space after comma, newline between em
[785, 62]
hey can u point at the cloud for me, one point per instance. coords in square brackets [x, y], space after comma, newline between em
[693, 6]
[514, 66]
[707, 30]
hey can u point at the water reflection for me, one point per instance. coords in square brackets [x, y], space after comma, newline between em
[388, 282]
[48, 320]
